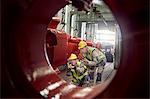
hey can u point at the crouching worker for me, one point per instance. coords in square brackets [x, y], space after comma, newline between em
[78, 71]
[94, 59]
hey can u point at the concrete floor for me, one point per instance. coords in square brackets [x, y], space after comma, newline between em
[107, 73]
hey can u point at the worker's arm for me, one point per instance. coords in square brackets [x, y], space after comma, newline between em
[84, 71]
[88, 63]
[74, 75]
[82, 68]
[97, 58]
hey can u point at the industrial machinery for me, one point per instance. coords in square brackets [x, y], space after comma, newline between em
[27, 72]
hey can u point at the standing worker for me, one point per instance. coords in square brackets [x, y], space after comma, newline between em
[78, 71]
[94, 59]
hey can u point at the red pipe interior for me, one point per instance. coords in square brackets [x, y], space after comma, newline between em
[24, 35]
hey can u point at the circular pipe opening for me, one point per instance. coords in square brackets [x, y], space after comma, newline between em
[60, 42]
[26, 39]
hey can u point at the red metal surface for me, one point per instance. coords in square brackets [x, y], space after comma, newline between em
[73, 46]
[60, 50]
[60, 44]
[54, 23]
[26, 70]
[57, 53]
[51, 42]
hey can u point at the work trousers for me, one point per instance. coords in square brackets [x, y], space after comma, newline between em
[95, 72]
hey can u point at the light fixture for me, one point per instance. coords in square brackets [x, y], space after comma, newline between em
[105, 31]
[99, 2]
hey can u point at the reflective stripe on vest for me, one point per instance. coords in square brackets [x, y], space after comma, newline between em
[85, 70]
[102, 55]
[76, 75]
[78, 64]
[86, 73]
[89, 55]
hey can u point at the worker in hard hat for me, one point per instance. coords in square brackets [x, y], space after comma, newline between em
[94, 59]
[78, 71]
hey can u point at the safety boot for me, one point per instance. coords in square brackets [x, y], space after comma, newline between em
[99, 76]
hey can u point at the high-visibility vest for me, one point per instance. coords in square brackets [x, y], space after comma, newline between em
[89, 54]
[85, 72]
[76, 75]
[69, 65]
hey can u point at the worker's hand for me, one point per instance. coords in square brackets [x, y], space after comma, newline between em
[80, 70]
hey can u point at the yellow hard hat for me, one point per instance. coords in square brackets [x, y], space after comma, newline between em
[72, 57]
[81, 44]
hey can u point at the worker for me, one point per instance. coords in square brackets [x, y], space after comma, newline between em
[78, 71]
[94, 59]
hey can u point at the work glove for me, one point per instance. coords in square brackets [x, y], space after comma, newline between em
[80, 69]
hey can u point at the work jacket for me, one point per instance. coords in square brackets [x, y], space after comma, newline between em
[96, 58]
[78, 72]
